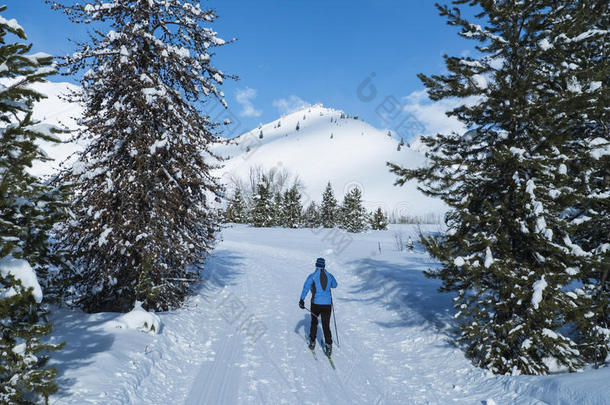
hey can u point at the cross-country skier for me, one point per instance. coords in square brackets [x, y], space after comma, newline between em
[319, 282]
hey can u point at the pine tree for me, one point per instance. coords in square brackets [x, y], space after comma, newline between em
[292, 208]
[329, 209]
[298, 126]
[578, 51]
[262, 209]
[379, 221]
[237, 211]
[508, 254]
[354, 217]
[28, 210]
[311, 217]
[144, 222]
[278, 208]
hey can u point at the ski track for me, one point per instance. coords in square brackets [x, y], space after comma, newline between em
[375, 364]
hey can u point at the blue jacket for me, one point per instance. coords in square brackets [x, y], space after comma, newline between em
[320, 295]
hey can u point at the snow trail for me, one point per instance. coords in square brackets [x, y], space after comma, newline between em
[392, 350]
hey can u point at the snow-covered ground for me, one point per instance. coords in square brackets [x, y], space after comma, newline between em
[241, 338]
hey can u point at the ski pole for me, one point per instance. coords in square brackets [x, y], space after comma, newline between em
[312, 312]
[332, 305]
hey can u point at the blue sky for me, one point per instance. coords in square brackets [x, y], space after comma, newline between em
[293, 51]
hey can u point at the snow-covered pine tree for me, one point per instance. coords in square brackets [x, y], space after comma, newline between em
[292, 209]
[237, 210]
[379, 221]
[262, 214]
[577, 51]
[278, 208]
[28, 210]
[311, 217]
[329, 208]
[143, 215]
[508, 253]
[354, 217]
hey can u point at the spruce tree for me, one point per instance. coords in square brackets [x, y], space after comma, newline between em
[278, 208]
[311, 217]
[379, 221]
[577, 55]
[237, 211]
[329, 209]
[262, 214]
[354, 217]
[144, 222]
[28, 210]
[292, 209]
[509, 253]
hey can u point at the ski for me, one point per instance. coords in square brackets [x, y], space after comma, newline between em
[313, 351]
[330, 360]
[332, 364]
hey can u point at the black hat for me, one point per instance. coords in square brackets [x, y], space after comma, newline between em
[320, 262]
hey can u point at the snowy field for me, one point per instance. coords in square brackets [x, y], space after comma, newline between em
[241, 338]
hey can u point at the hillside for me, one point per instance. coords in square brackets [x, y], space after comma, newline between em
[55, 110]
[345, 151]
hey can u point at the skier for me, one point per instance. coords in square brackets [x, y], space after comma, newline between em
[319, 282]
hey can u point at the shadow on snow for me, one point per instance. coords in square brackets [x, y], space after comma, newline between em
[404, 289]
[220, 271]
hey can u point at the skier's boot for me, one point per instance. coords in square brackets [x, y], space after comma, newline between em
[312, 344]
[329, 349]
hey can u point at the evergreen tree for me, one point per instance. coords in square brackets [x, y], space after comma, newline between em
[298, 126]
[509, 254]
[379, 221]
[278, 208]
[28, 210]
[143, 217]
[311, 217]
[577, 55]
[262, 210]
[292, 208]
[354, 217]
[237, 211]
[329, 209]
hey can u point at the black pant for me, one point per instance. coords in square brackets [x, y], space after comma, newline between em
[325, 311]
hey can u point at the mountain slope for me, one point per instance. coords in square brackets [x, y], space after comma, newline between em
[326, 147]
[55, 110]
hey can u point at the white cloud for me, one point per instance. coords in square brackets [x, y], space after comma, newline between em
[290, 104]
[245, 97]
[431, 115]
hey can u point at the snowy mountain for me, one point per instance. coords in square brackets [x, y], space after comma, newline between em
[330, 146]
[345, 151]
[56, 110]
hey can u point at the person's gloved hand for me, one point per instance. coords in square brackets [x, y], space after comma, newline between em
[301, 304]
